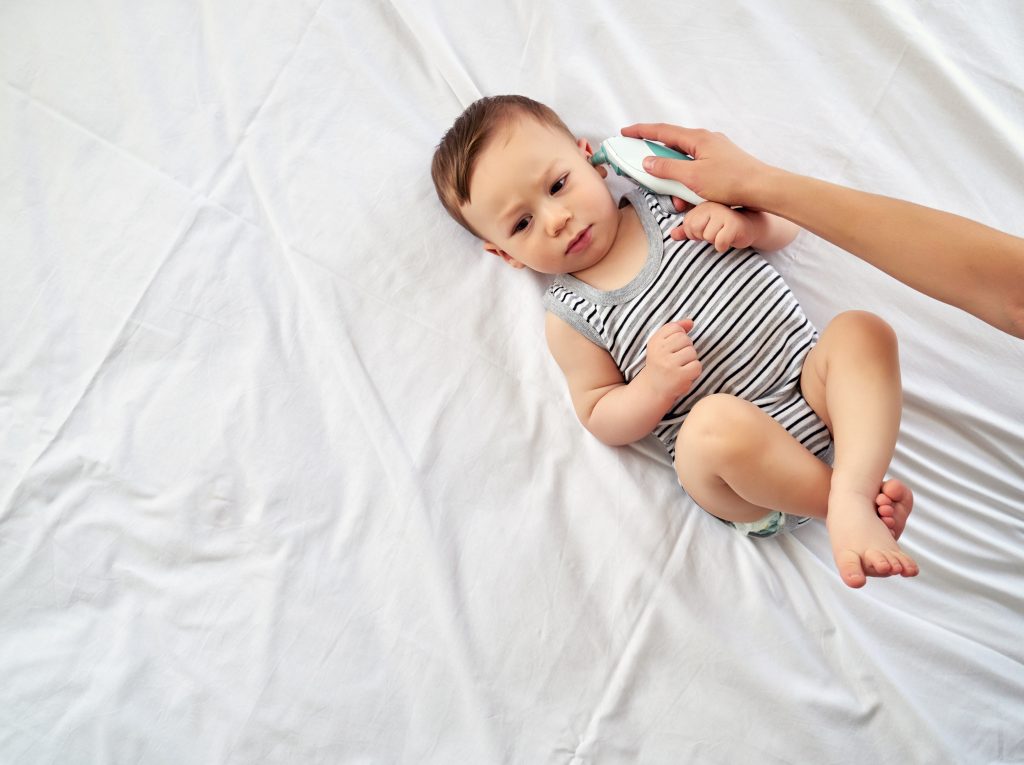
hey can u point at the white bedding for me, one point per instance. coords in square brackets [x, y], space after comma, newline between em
[287, 475]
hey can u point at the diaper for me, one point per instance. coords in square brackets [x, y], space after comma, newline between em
[770, 525]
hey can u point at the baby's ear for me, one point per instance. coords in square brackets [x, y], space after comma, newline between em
[588, 152]
[496, 250]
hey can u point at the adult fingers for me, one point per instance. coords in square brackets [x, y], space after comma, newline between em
[676, 136]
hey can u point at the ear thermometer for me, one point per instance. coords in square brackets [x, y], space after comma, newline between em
[626, 157]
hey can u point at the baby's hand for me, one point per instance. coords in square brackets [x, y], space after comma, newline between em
[718, 224]
[672, 363]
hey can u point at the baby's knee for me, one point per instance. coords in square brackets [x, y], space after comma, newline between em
[867, 326]
[718, 429]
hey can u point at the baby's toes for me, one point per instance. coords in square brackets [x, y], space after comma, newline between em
[850, 568]
[894, 562]
[877, 563]
[887, 513]
[909, 565]
[894, 489]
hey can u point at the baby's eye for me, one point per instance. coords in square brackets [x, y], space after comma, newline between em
[559, 184]
[521, 225]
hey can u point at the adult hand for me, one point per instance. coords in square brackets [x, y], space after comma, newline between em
[720, 171]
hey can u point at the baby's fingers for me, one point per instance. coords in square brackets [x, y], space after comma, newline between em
[692, 369]
[715, 230]
[692, 226]
[678, 342]
[725, 238]
[685, 355]
[675, 327]
[698, 226]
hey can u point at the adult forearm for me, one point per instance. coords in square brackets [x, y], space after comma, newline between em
[946, 256]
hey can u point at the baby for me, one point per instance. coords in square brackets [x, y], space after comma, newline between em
[664, 321]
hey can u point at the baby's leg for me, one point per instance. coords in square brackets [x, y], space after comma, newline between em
[852, 380]
[739, 464]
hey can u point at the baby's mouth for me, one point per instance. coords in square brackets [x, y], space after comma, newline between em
[580, 241]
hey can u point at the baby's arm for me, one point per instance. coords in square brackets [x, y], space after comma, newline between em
[775, 232]
[616, 412]
[725, 228]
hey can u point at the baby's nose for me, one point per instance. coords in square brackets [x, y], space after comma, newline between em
[557, 218]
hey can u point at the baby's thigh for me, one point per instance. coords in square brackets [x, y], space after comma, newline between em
[851, 338]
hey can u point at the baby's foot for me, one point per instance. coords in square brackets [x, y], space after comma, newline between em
[893, 505]
[862, 544]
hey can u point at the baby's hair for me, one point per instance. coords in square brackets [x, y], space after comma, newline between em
[456, 155]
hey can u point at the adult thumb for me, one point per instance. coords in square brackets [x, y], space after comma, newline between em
[663, 167]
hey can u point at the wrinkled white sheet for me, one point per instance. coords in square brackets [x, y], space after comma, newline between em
[287, 475]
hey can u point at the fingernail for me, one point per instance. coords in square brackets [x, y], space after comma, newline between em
[648, 163]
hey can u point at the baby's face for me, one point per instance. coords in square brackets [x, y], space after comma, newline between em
[538, 202]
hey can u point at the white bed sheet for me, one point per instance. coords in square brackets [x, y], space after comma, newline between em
[288, 476]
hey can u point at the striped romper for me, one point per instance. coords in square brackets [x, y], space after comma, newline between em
[750, 334]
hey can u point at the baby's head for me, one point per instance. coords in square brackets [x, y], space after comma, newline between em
[512, 173]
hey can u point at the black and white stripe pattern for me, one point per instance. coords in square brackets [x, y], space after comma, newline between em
[750, 333]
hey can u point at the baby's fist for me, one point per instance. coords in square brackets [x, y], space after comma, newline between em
[720, 225]
[672, 362]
